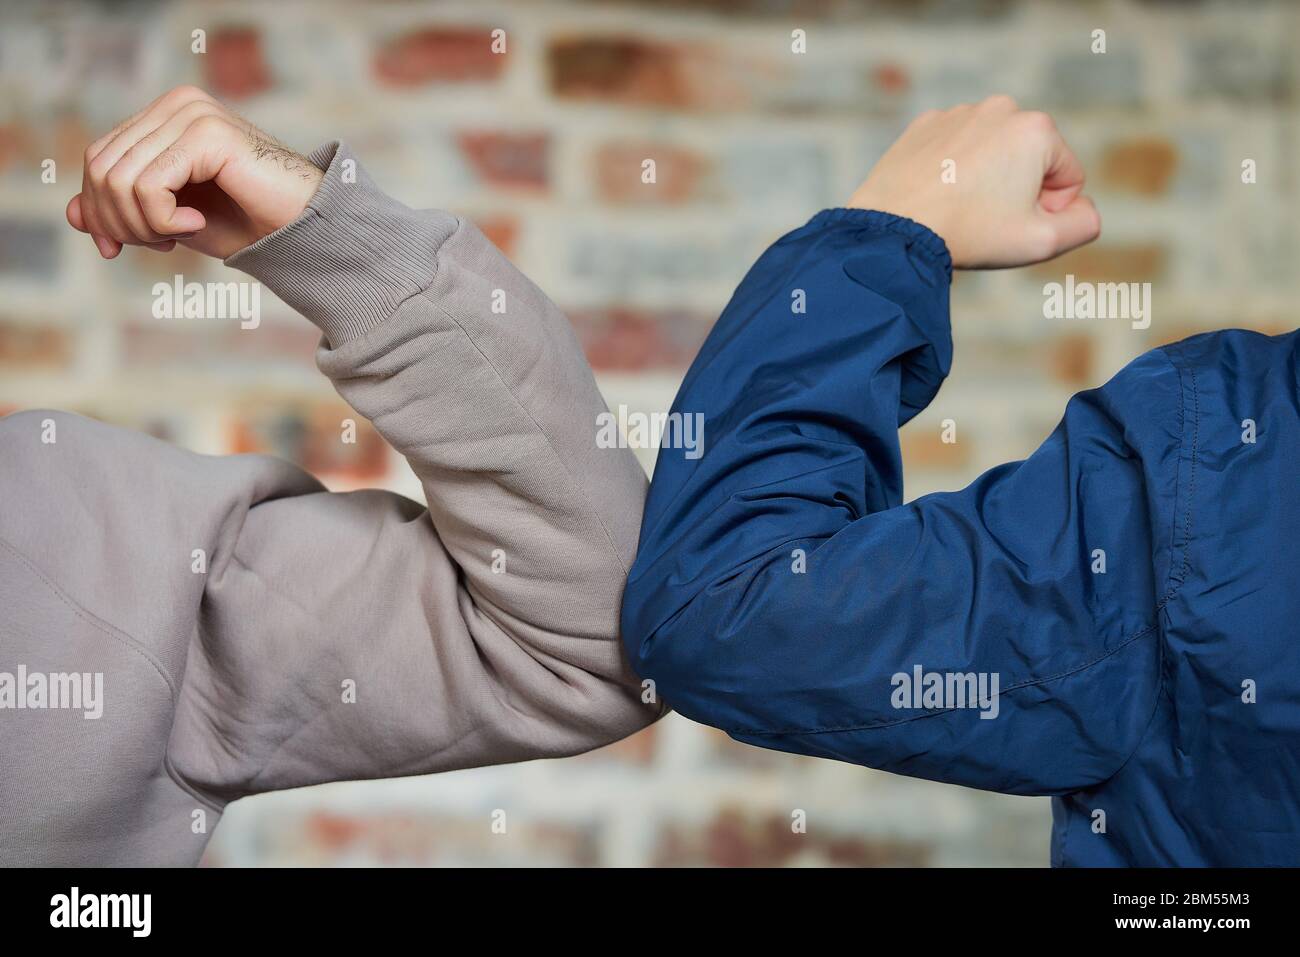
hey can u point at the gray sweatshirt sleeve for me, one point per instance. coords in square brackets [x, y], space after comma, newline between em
[337, 636]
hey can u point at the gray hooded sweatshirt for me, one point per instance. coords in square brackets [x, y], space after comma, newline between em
[248, 631]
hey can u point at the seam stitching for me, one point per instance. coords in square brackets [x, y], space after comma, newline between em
[94, 621]
[126, 641]
[1160, 606]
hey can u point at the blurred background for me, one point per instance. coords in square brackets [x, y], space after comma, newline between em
[542, 146]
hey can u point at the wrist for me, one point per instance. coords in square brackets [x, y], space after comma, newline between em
[286, 199]
[917, 212]
[352, 256]
[922, 242]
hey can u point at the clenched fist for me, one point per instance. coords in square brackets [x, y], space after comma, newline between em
[996, 182]
[185, 169]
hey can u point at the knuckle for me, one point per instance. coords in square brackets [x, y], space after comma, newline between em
[187, 92]
[1038, 121]
[153, 174]
[137, 152]
[169, 158]
[999, 101]
[1042, 243]
[118, 179]
[149, 176]
[98, 168]
[209, 125]
[196, 109]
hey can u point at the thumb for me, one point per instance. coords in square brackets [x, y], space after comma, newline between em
[1074, 225]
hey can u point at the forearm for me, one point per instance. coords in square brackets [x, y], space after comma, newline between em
[508, 589]
[470, 372]
[772, 386]
[785, 593]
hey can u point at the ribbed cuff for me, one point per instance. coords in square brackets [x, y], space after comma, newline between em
[353, 255]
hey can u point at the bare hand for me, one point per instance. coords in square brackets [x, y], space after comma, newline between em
[185, 169]
[996, 182]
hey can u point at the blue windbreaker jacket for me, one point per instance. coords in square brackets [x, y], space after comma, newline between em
[1132, 586]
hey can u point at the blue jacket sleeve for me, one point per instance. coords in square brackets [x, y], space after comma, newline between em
[1000, 637]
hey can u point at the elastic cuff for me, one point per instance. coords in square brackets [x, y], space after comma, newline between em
[919, 238]
[921, 291]
[353, 256]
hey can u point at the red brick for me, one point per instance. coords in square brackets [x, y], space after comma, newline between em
[311, 437]
[737, 837]
[678, 173]
[333, 831]
[234, 64]
[620, 339]
[508, 160]
[890, 78]
[25, 148]
[439, 55]
[1135, 262]
[25, 346]
[18, 147]
[325, 453]
[1071, 359]
[638, 72]
[924, 448]
[1142, 167]
[502, 230]
[71, 136]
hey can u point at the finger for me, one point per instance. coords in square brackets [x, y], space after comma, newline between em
[108, 149]
[102, 155]
[75, 217]
[196, 157]
[108, 248]
[1062, 169]
[100, 217]
[121, 179]
[1074, 225]
[104, 222]
[999, 103]
[1055, 200]
[78, 217]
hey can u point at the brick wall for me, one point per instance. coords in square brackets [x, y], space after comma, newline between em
[543, 146]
